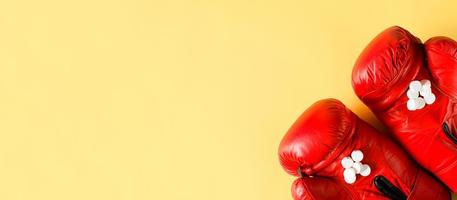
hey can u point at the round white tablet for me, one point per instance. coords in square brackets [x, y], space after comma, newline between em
[347, 162]
[425, 91]
[349, 172]
[366, 170]
[412, 94]
[358, 167]
[350, 179]
[429, 99]
[415, 86]
[357, 155]
[411, 104]
[420, 103]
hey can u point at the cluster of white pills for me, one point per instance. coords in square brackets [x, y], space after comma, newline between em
[353, 166]
[419, 94]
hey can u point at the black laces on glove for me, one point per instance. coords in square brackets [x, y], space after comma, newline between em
[448, 133]
[388, 189]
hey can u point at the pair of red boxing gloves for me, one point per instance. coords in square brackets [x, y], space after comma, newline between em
[412, 88]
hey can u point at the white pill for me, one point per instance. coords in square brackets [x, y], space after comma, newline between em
[411, 104]
[426, 83]
[358, 167]
[412, 94]
[415, 86]
[357, 155]
[420, 103]
[350, 179]
[430, 98]
[347, 162]
[366, 170]
[425, 91]
[349, 172]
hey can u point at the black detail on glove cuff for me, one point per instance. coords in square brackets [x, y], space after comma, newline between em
[448, 133]
[388, 189]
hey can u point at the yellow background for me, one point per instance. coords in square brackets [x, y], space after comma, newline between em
[130, 99]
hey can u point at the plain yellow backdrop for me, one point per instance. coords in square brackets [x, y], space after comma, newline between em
[141, 99]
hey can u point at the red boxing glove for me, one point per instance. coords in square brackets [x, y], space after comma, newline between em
[326, 135]
[381, 78]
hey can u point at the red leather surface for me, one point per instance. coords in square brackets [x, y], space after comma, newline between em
[327, 132]
[380, 78]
